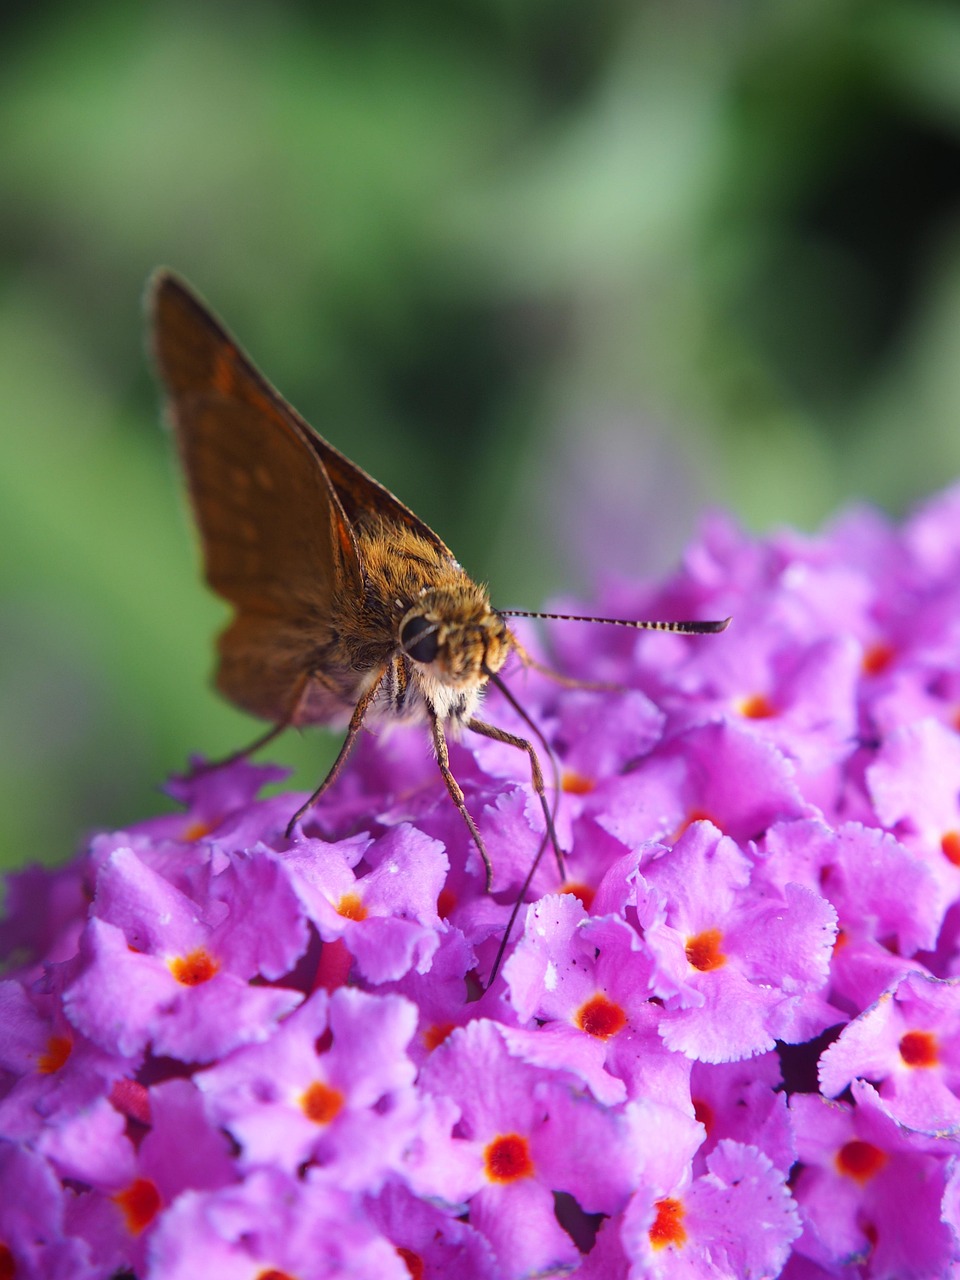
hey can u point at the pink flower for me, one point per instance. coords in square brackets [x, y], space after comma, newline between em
[727, 1045]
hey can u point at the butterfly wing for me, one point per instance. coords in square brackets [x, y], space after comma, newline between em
[272, 529]
[366, 501]
[276, 541]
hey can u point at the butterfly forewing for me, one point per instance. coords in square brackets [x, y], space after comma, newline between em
[276, 542]
[274, 537]
[362, 497]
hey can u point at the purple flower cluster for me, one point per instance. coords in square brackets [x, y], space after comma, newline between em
[727, 1046]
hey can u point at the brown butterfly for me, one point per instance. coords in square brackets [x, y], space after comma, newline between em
[348, 609]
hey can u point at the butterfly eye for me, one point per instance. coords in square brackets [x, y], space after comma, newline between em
[418, 639]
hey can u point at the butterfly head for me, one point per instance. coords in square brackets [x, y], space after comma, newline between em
[456, 636]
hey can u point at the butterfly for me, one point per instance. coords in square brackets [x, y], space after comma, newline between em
[347, 608]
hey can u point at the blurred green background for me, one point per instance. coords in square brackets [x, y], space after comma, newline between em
[559, 274]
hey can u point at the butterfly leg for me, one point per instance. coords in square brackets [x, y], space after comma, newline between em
[353, 729]
[514, 740]
[250, 749]
[274, 731]
[456, 795]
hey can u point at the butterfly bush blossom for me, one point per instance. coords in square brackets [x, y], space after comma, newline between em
[725, 1044]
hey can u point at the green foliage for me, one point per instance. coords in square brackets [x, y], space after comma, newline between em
[557, 274]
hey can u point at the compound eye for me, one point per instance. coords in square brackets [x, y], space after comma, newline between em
[418, 639]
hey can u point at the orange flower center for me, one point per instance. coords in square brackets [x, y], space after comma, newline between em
[703, 950]
[668, 1225]
[575, 784]
[351, 907]
[919, 1049]
[446, 902]
[703, 1112]
[197, 967]
[860, 1160]
[877, 658]
[197, 829]
[581, 891]
[412, 1261]
[140, 1204]
[600, 1017]
[436, 1034]
[695, 815]
[507, 1158]
[58, 1050]
[321, 1103]
[757, 707]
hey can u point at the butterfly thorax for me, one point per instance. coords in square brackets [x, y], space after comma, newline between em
[428, 627]
[409, 621]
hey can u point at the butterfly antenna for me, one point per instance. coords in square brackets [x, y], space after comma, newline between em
[690, 628]
[687, 628]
